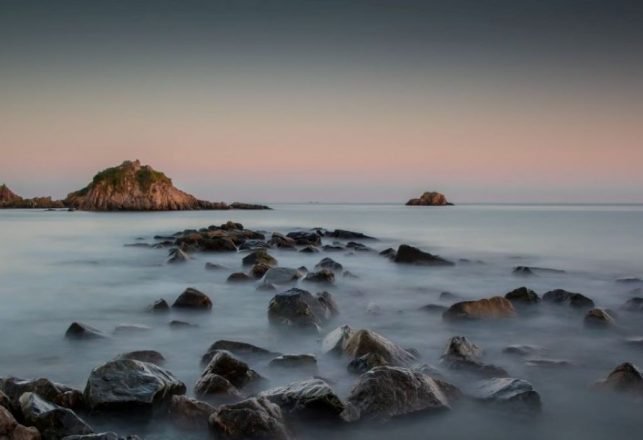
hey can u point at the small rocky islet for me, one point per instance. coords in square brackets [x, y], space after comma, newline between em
[232, 400]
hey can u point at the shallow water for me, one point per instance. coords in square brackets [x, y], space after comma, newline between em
[59, 267]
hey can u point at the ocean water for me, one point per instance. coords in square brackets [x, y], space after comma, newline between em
[60, 267]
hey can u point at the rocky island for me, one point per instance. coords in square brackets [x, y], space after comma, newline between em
[430, 198]
[8, 199]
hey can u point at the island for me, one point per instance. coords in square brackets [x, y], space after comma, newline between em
[430, 198]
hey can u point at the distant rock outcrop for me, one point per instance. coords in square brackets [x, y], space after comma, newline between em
[8, 199]
[135, 187]
[429, 199]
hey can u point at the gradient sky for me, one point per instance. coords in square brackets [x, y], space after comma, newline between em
[355, 100]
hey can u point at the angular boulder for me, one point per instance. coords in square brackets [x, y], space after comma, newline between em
[53, 421]
[462, 354]
[281, 276]
[599, 319]
[330, 264]
[80, 331]
[259, 256]
[189, 413]
[516, 395]
[523, 296]
[323, 276]
[299, 308]
[10, 429]
[192, 298]
[411, 255]
[493, 308]
[624, 378]
[213, 385]
[256, 418]
[575, 300]
[237, 372]
[151, 356]
[363, 342]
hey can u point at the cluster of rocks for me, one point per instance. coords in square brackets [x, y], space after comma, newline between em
[431, 198]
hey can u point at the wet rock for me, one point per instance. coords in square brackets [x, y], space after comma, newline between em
[365, 363]
[323, 276]
[253, 245]
[309, 250]
[299, 308]
[389, 253]
[192, 298]
[240, 348]
[624, 378]
[433, 308]
[575, 300]
[256, 418]
[237, 372]
[213, 266]
[12, 388]
[492, 308]
[210, 385]
[462, 354]
[598, 318]
[302, 362]
[4, 400]
[521, 350]
[218, 244]
[10, 429]
[259, 256]
[52, 421]
[189, 413]
[177, 255]
[411, 255]
[448, 296]
[78, 330]
[386, 392]
[334, 341]
[523, 296]
[282, 242]
[523, 271]
[303, 238]
[343, 234]
[151, 356]
[239, 277]
[311, 399]
[364, 342]
[281, 276]
[512, 394]
[259, 270]
[548, 363]
[160, 305]
[122, 329]
[176, 324]
[123, 385]
[330, 264]
[634, 304]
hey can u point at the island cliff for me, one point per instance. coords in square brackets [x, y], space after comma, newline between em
[429, 199]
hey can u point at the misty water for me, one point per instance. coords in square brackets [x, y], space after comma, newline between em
[60, 267]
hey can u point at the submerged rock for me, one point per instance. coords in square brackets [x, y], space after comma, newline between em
[299, 308]
[343, 234]
[434, 308]
[386, 392]
[189, 413]
[522, 295]
[411, 255]
[513, 394]
[634, 304]
[256, 418]
[151, 356]
[192, 298]
[598, 318]
[124, 385]
[462, 354]
[239, 277]
[363, 342]
[53, 421]
[330, 264]
[78, 330]
[575, 300]
[324, 276]
[624, 378]
[160, 305]
[523, 271]
[239, 348]
[177, 255]
[259, 256]
[492, 308]
[521, 350]
[281, 276]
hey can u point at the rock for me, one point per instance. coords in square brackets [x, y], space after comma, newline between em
[448, 296]
[521, 350]
[332, 248]
[629, 280]
[598, 318]
[328, 301]
[10, 429]
[218, 244]
[513, 394]
[259, 270]
[151, 356]
[176, 324]
[349, 274]
[386, 392]
[210, 385]
[330, 264]
[8, 200]
[131, 329]
[251, 206]
[548, 363]
[634, 304]
[78, 330]
[189, 413]
[52, 421]
[239, 277]
[364, 342]
[434, 308]
[255, 418]
[311, 399]
[193, 299]
[323, 276]
[259, 256]
[624, 378]
[226, 365]
[531, 270]
[12, 388]
[523, 271]
[282, 242]
[359, 247]
[343, 234]
[4, 400]
[160, 305]
[366, 362]
[305, 362]
[239, 349]
[309, 250]
[281, 276]
[133, 187]
[303, 238]
[334, 341]
[429, 198]
[462, 354]
[124, 385]
[213, 266]
[253, 245]
[411, 255]
[575, 300]
[492, 308]
[299, 308]
[389, 253]
[177, 255]
[523, 296]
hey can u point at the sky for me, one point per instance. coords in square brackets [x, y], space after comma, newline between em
[327, 100]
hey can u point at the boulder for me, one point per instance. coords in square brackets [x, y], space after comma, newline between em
[598, 319]
[159, 305]
[575, 300]
[359, 247]
[12, 388]
[78, 330]
[364, 342]
[311, 399]
[303, 238]
[10, 429]
[333, 342]
[123, 385]
[309, 250]
[210, 385]
[282, 242]
[189, 413]
[462, 354]
[624, 378]
[259, 256]
[332, 248]
[411, 255]
[192, 298]
[150, 356]
[239, 277]
[323, 276]
[281, 276]
[52, 421]
[256, 418]
[523, 296]
[253, 245]
[634, 305]
[330, 264]
[492, 308]
[523, 271]
[177, 255]
[516, 395]
[343, 234]
[239, 348]
[366, 362]
[130, 329]
[386, 392]
[389, 253]
[218, 244]
[304, 362]
[213, 266]
[237, 372]
[299, 308]
[259, 270]
[429, 198]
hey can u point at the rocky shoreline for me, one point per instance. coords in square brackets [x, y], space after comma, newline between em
[232, 400]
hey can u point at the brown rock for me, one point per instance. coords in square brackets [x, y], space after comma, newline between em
[598, 318]
[429, 199]
[256, 418]
[492, 308]
[190, 413]
[193, 299]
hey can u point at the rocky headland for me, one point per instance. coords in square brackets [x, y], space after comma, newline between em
[8, 199]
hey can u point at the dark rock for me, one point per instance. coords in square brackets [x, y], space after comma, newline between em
[411, 255]
[189, 413]
[523, 271]
[102, 436]
[193, 299]
[462, 354]
[226, 365]
[575, 300]
[160, 305]
[548, 363]
[522, 295]
[299, 308]
[151, 356]
[311, 399]
[259, 256]
[362, 342]
[210, 384]
[177, 255]
[256, 418]
[309, 250]
[629, 280]
[306, 362]
[213, 266]
[53, 421]
[359, 247]
[366, 362]
[433, 308]
[282, 242]
[303, 238]
[176, 324]
[239, 277]
[123, 385]
[253, 245]
[386, 392]
[240, 348]
[348, 235]
[389, 253]
[624, 378]
[78, 330]
[492, 308]
[259, 270]
[62, 395]
[332, 248]
[251, 206]
[429, 198]
[512, 394]
[330, 264]
[281, 276]
[598, 318]
[333, 342]
[634, 305]
[218, 244]
[521, 350]
[324, 276]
